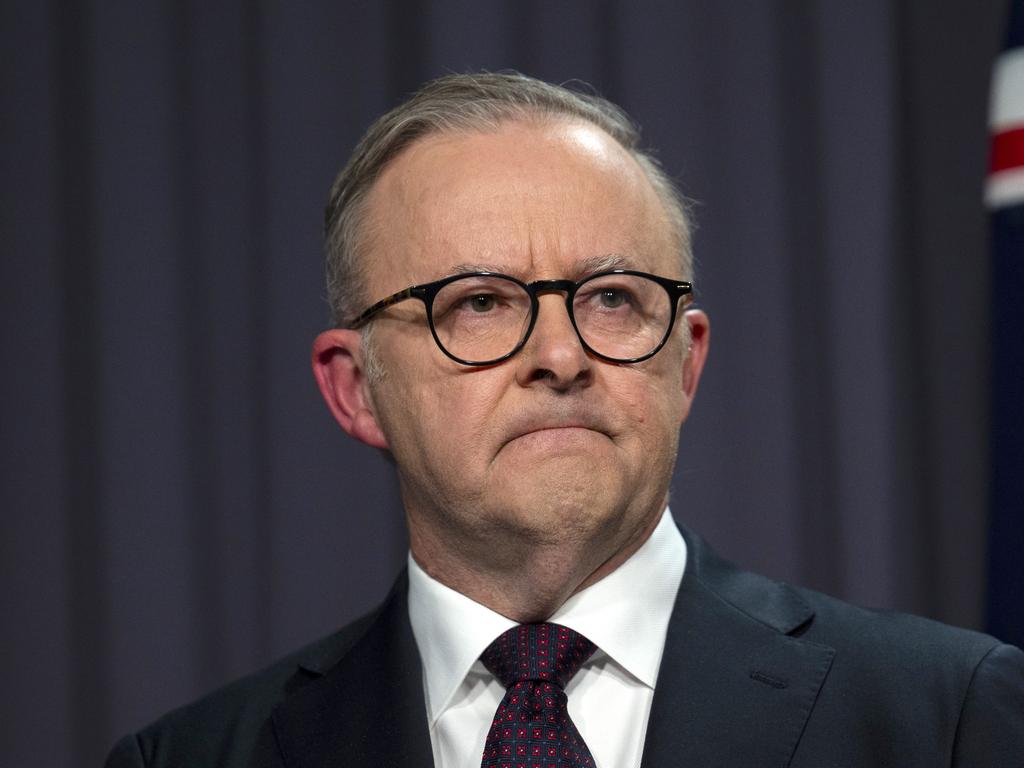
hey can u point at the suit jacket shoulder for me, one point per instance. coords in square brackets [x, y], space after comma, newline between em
[915, 686]
[230, 727]
[757, 672]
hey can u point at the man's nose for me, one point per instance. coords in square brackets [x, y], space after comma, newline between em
[553, 354]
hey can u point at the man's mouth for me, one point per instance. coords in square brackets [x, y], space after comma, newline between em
[548, 429]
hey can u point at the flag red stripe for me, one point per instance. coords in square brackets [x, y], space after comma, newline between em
[1007, 150]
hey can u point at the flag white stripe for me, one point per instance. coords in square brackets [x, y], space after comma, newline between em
[1008, 91]
[1005, 188]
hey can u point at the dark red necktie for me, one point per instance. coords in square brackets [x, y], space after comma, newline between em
[532, 727]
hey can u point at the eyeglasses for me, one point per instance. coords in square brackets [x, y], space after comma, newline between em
[483, 318]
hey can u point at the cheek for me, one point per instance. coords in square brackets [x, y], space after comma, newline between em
[441, 415]
[464, 413]
[649, 406]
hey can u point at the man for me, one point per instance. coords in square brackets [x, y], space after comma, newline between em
[509, 276]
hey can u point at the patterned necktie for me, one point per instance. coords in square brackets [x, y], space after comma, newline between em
[532, 727]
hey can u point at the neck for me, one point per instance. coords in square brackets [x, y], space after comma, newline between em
[545, 575]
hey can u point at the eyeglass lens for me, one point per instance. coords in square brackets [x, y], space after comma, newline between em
[480, 318]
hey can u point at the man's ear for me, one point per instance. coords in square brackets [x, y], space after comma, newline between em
[340, 374]
[700, 337]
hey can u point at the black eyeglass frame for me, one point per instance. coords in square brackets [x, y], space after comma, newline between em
[676, 290]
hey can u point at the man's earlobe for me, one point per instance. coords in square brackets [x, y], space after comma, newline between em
[339, 372]
[696, 355]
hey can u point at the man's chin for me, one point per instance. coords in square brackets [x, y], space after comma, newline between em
[562, 500]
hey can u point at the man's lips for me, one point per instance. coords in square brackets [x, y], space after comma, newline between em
[541, 424]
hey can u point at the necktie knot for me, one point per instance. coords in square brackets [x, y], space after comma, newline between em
[540, 652]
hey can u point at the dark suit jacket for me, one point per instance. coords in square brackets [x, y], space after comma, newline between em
[755, 673]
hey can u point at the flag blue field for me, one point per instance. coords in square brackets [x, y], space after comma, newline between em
[1005, 198]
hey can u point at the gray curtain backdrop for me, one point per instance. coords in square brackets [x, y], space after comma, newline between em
[178, 507]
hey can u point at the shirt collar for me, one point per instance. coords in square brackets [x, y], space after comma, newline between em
[625, 614]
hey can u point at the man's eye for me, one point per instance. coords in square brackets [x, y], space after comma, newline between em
[612, 298]
[483, 302]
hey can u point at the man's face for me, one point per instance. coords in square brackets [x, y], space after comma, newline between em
[554, 447]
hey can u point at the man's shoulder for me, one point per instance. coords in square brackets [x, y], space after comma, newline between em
[879, 687]
[209, 731]
[877, 648]
[818, 617]
[884, 639]
[918, 684]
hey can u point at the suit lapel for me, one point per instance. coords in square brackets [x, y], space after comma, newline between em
[368, 708]
[735, 687]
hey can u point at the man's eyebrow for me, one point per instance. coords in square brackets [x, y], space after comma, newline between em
[588, 266]
[463, 269]
[603, 263]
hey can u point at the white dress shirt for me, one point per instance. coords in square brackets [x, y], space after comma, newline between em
[625, 614]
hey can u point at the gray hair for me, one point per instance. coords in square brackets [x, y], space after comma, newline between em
[459, 104]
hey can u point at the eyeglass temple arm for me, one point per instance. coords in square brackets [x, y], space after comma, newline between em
[409, 293]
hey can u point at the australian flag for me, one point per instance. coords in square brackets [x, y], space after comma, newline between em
[1004, 195]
